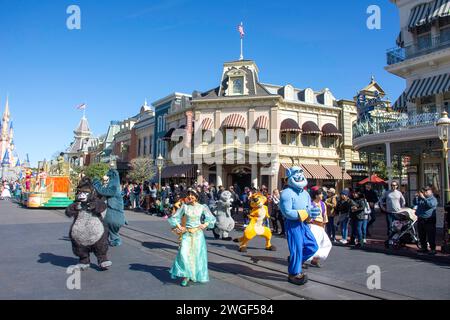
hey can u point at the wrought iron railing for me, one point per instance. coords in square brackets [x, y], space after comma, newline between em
[412, 50]
[393, 122]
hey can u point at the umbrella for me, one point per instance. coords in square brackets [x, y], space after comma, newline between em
[374, 179]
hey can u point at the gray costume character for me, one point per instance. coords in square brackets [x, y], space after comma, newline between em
[88, 232]
[222, 211]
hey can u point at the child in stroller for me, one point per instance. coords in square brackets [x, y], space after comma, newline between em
[403, 229]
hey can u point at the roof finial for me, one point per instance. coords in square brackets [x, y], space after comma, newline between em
[373, 78]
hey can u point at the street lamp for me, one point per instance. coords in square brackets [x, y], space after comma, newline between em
[160, 164]
[198, 174]
[342, 165]
[443, 125]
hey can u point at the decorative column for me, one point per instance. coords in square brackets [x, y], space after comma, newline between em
[254, 175]
[219, 173]
[389, 161]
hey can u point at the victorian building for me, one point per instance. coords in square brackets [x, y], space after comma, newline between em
[247, 132]
[78, 151]
[408, 137]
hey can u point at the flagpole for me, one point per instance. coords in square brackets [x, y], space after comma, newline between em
[242, 49]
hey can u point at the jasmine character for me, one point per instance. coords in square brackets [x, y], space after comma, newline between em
[295, 205]
[189, 221]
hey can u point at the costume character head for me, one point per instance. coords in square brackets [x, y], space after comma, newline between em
[296, 178]
[226, 198]
[192, 197]
[257, 200]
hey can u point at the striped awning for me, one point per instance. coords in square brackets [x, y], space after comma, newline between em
[290, 125]
[419, 16]
[318, 172]
[439, 9]
[207, 124]
[234, 121]
[330, 130]
[262, 123]
[400, 104]
[168, 135]
[428, 86]
[311, 128]
[180, 171]
[336, 172]
[290, 165]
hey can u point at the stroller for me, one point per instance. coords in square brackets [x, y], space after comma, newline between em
[403, 230]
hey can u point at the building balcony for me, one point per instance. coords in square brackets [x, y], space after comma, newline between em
[395, 122]
[410, 51]
[400, 127]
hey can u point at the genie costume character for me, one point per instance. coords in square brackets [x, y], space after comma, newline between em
[295, 205]
[115, 217]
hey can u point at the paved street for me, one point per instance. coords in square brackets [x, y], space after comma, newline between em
[38, 253]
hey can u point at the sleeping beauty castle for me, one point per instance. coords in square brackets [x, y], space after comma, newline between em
[8, 155]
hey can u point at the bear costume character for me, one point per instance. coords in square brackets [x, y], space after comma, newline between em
[115, 217]
[88, 232]
[258, 214]
[295, 205]
[225, 223]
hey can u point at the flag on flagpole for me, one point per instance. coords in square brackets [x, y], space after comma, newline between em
[82, 106]
[241, 30]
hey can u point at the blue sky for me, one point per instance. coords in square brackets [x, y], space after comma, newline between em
[129, 50]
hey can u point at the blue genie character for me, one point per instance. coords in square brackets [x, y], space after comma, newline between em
[115, 217]
[295, 205]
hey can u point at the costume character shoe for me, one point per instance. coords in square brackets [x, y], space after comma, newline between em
[243, 249]
[299, 279]
[105, 265]
[271, 248]
[185, 282]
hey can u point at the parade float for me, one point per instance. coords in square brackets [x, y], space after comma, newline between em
[50, 187]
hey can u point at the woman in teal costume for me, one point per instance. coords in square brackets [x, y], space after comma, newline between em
[189, 221]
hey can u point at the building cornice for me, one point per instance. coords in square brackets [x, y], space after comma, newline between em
[169, 98]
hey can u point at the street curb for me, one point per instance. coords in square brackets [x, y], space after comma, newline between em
[401, 253]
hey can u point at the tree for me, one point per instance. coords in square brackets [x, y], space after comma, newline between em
[96, 170]
[142, 169]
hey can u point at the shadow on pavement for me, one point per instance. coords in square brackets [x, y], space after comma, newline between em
[256, 259]
[158, 245]
[233, 268]
[160, 273]
[59, 261]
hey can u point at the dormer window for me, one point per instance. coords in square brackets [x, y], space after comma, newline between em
[238, 85]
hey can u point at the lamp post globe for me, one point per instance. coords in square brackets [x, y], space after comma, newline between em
[159, 164]
[443, 125]
[342, 164]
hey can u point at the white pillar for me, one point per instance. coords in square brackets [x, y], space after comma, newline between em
[219, 173]
[389, 161]
[254, 175]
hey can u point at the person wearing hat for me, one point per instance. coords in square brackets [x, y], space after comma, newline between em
[189, 221]
[425, 204]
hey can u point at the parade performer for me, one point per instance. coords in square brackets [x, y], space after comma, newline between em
[258, 214]
[6, 191]
[60, 163]
[42, 177]
[191, 263]
[115, 217]
[295, 205]
[28, 175]
[88, 232]
[317, 227]
[225, 223]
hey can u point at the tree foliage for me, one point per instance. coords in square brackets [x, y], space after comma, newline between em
[142, 169]
[96, 170]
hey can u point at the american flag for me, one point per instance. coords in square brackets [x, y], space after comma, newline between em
[82, 106]
[241, 30]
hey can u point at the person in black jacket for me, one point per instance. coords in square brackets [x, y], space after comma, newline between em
[356, 215]
[344, 210]
[372, 198]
